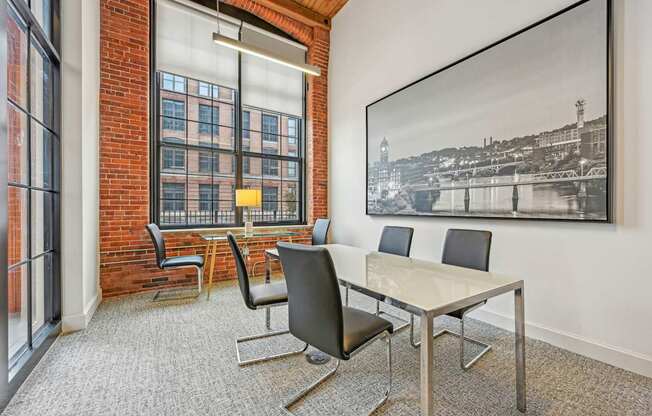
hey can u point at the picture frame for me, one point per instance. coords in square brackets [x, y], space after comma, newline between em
[556, 168]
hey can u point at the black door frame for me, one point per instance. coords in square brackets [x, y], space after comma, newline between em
[43, 339]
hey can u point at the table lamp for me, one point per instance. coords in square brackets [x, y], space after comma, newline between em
[248, 198]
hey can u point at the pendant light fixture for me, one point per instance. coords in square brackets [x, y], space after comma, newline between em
[255, 50]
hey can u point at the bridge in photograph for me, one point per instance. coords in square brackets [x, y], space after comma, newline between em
[582, 178]
[494, 169]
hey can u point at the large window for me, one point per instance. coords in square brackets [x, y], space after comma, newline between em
[196, 152]
[223, 124]
[33, 165]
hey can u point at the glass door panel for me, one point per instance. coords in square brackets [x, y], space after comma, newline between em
[33, 169]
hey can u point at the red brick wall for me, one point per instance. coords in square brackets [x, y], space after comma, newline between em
[126, 256]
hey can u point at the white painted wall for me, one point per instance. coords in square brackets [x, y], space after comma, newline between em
[588, 286]
[80, 51]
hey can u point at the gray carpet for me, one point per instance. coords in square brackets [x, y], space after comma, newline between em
[140, 358]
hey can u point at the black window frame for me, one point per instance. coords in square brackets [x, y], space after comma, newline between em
[241, 153]
[42, 36]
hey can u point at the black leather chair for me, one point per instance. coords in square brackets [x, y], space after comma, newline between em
[317, 317]
[393, 240]
[470, 249]
[320, 231]
[262, 296]
[164, 262]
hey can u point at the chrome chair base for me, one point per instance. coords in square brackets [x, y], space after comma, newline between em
[175, 294]
[243, 363]
[269, 334]
[463, 365]
[301, 394]
[183, 293]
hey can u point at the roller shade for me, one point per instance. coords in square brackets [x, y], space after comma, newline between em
[184, 44]
[269, 85]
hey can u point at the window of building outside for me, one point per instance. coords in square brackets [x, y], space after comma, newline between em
[270, 128]
[270, 198]
[204, 152]
[174, 113]
[174, 159]
[292, 130]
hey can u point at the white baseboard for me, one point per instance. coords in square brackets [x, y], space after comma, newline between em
[77, 322]
[618, 357]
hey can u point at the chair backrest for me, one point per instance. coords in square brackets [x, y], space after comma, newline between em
[320, 231]
[396, 240]
[241, 270]
[159, 243]
[467, 248]
[314, 303]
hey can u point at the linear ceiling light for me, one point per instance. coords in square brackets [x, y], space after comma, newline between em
[254, 50]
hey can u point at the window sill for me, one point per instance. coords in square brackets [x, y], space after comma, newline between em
[225, 229]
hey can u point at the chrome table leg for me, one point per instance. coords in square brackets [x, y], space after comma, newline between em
[519, 309]
[426, 365]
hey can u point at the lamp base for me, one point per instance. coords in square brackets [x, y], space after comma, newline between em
[249, 229]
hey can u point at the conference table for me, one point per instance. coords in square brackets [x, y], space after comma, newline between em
[429, 289]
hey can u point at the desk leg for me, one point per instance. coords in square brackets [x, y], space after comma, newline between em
[212, 269]
[426, 365]
[207, 256]
[268, 276]
[268, 269]
[519, 331]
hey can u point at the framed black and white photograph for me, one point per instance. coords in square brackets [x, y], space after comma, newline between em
[520, 129]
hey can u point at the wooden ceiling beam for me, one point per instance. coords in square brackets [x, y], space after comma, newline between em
[297, 12]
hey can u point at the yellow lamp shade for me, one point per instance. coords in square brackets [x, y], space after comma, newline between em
[248, 198]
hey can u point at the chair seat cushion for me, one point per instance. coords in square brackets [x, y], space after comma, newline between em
[460, 312]
[182, 261]
[272, 252]
[360, 327]
[268, 294]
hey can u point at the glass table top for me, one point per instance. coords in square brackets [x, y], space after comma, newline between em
[256, 234]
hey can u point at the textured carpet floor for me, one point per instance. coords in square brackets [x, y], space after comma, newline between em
[140, 358]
